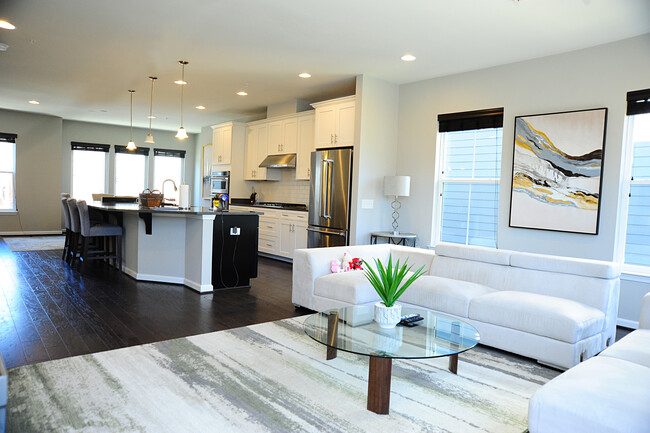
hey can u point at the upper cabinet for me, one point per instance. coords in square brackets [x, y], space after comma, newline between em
[305, 146]
[334, 125]
[283, 136]
[224, 137]
[256, 147]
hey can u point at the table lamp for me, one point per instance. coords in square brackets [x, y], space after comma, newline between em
[397, 186]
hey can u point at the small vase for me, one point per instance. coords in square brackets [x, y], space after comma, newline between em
[387, 317]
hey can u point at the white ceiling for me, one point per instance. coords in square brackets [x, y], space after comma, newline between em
[79, 57]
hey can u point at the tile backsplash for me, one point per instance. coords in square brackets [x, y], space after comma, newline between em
[287, 190]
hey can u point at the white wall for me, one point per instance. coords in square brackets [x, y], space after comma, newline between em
[38, 173]
[375, 156]
[590, 78]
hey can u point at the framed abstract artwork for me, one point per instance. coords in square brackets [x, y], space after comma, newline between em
[556, 171]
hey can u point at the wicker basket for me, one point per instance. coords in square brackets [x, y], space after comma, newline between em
[150, 198]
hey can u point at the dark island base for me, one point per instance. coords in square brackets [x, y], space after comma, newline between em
[234, 257]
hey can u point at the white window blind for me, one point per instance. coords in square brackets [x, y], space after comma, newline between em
[88, 169]
[469, 186]
[637, 239]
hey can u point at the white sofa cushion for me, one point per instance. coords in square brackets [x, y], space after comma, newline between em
[634, 347]
[566, 265]
[474, 253]
[603, 394]
[444, 294]
[351, 287]
[557, 318]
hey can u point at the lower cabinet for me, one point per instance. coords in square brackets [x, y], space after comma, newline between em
[280, 232]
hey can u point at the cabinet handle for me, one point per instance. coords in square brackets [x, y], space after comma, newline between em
[336, 138]
[331, 138]
[309, 172]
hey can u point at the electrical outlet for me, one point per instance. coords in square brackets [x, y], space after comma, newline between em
[367, 204]
[235, 231]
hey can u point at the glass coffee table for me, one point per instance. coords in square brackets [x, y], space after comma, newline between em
[352, 329]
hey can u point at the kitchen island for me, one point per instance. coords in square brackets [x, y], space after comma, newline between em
[195, 247]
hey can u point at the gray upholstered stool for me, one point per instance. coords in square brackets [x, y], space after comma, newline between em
[91, 229]
[66, 214]
[75, 232]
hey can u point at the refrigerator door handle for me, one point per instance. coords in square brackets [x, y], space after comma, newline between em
[326, 232]
[327, 190]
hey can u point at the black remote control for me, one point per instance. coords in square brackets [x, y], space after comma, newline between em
[411, 320]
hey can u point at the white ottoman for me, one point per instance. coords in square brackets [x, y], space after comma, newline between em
[603, 394]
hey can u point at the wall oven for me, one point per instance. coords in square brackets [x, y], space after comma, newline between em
[220, 182]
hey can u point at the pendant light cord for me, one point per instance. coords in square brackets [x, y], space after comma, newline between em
[131, 92]
[151, 103]
[182, 89]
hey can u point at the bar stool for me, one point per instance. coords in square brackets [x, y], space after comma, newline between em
[91, 229]
[66, 214]
[73, 245]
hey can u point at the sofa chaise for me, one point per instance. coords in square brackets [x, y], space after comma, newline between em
[557, 310]
[607, 393]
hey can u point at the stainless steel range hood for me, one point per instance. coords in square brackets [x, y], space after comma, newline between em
[280, 161]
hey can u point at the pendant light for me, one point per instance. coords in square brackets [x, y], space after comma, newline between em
[182, 134]
[149, 138]
[131, 145]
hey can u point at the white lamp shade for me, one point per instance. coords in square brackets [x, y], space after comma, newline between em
[397, 186]
[181, 134]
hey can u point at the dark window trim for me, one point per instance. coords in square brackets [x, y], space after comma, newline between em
[76, 145]
[470, 120]
[8, 138]
[138, 151]
[638, 102]
[169, 152]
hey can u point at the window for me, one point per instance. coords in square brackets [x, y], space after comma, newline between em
[637, 238]
[168, 164]
[468, 177]
[89, 163]
[7, 172]
[130, 171]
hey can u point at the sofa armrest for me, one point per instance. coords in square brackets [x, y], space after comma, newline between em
[644, 320]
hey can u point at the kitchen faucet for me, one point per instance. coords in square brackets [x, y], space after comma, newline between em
[163, 189]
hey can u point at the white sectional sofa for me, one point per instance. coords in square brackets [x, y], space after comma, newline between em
[607, 393]
[558, 310]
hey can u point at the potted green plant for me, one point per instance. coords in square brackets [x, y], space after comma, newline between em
[389, 283]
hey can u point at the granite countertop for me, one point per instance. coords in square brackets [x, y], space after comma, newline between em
[167, 210]
[269, 205]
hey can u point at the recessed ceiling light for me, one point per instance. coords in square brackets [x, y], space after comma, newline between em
[242, 93]
[6, 25]
[181, 82]
[151, 117]
[304, 75]
[34, 101]
[408, 57]
[200, 107]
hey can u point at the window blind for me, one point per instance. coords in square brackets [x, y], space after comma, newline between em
[139, 151]
[169, 152]
[471, 120]
[638, 102]
[8, 138]
[76, 145]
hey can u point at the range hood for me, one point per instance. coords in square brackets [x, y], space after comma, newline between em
[280, 161]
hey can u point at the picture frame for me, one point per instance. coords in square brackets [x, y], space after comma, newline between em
[557, 171]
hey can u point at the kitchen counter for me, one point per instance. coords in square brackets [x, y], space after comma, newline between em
[176, 246]
[269, 205]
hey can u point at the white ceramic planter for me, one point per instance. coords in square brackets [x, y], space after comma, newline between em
[387, 317]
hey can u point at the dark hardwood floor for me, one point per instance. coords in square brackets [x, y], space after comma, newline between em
[49, 311]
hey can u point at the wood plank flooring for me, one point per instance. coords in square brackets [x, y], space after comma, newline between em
[49, 311]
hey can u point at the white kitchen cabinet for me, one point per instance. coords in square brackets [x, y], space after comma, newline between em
[224, 137]
[293, 232]
[283, 136]
[256, 148]
[334, 124]
[305, 147]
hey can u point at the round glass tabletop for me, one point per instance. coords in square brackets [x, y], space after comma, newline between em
[353, 329]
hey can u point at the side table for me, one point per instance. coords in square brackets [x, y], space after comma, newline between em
[406, 239]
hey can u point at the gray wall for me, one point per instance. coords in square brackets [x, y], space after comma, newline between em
[38, 173]
[375, 156]
[590, 78]
[110, 134]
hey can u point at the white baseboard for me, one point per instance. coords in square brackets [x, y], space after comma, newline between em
[627, 323]
[154, 278]
[32, 233]
[201, 288]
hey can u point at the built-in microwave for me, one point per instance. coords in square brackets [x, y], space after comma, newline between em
[220, 182]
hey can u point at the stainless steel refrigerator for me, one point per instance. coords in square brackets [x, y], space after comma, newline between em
[329, 198]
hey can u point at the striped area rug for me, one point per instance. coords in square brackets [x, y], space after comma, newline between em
[269, 377]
